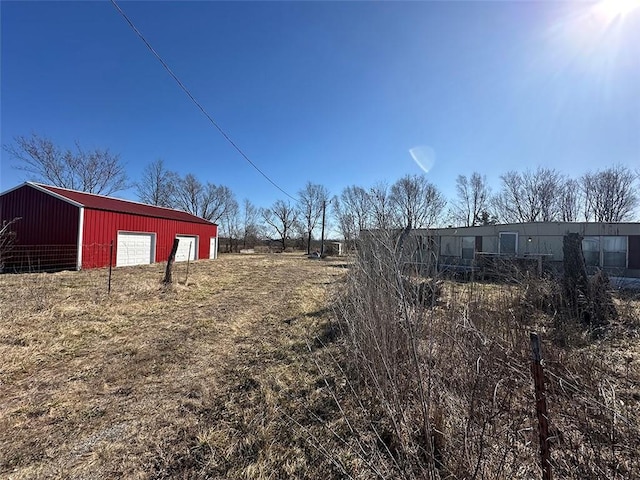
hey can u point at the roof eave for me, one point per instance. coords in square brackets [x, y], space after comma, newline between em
[54, 194]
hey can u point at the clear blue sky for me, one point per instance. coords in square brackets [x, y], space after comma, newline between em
[332, 92]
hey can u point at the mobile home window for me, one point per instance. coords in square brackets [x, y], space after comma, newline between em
[468, 247]
[445, 246]
[614, 252]
[508, 243]
[591, 251]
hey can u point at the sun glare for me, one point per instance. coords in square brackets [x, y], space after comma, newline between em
[613, 9]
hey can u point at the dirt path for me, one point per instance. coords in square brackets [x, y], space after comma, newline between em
[197, 381]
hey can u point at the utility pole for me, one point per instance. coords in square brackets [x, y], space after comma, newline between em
[324, 207]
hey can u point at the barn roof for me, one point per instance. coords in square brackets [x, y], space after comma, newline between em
[100, 202]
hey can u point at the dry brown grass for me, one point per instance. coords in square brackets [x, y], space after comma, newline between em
[236, 373]
[447, 384]
[208, 379]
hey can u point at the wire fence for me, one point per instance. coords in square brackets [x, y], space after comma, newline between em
[101, 264]
[52, 258]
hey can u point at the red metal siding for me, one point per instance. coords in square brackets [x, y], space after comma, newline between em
[47, 235]
[48, 223]
[101, 227]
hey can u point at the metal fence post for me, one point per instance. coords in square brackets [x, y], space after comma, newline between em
[186, 277]
[110, 265]
[541, 405]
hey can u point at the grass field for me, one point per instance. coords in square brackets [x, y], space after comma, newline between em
[254, 367]
[210, 378]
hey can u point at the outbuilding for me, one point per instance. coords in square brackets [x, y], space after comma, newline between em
[57, 228]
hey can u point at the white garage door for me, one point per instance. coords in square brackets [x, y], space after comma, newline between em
[134, 249]
[187, 248]
[213, 247]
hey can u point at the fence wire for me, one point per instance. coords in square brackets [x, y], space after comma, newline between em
[98, 265]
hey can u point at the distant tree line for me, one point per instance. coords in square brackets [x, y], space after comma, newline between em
[540, 195]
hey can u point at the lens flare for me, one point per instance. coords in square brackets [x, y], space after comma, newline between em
[609, 10]
[425, 157]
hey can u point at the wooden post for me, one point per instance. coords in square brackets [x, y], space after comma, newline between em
[540, 266]
[172, 256]
[541, 405]
[110, 265]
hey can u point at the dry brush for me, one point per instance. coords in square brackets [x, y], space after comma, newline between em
[444, 386]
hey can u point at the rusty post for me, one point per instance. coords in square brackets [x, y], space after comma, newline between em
[541, 405]
[110, 265]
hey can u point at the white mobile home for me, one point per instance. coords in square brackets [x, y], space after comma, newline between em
[614, 247]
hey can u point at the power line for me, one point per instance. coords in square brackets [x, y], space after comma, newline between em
[193, 99]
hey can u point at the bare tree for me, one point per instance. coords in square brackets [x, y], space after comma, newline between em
[353, 212]
[419, 204]
[157, 185]
[209, 201]
[250, 227]
[473, 196]
[529, 196]
[217, 202]
[549, 185]
[610, 195]
[569, 201]
[382, 208]
[282, 217]
[95, 171]
[312, 200]
[345, 221]
[357, 201]
[189, 194]
[487, 218]
[230, 223]
[509, 203]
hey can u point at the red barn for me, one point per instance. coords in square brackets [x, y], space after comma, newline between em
[66, 229]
